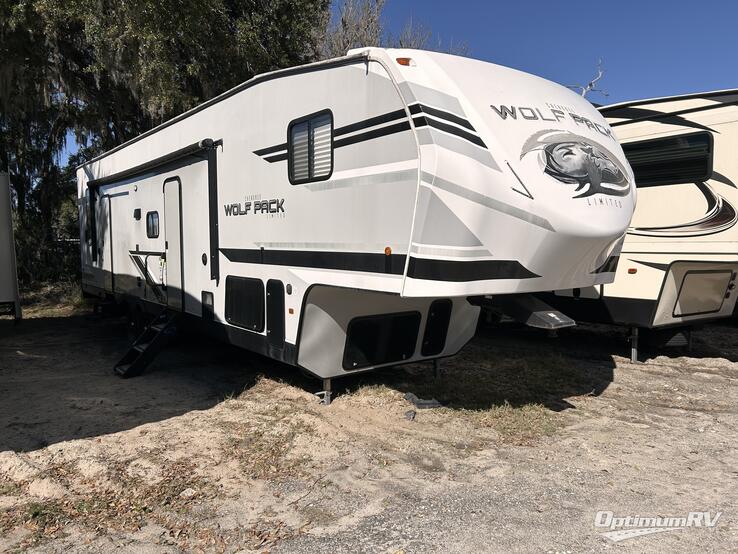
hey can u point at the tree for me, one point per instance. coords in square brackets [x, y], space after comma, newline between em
[360, 24]
[584, 90]
[110, 70]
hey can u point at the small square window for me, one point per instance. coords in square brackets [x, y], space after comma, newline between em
[310, 147]
[152, 225]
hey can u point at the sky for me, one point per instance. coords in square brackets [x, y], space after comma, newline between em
[649, 48]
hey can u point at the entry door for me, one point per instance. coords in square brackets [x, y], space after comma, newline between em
[173, 243]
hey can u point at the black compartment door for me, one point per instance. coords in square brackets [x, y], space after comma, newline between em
[275, 313]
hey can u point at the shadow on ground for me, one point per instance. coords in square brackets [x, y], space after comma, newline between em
[57, 384]
[503, 365]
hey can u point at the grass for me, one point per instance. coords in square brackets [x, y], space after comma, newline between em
[519, 425]
[262, 448]
[102, 510]
[49, 299]
[515, 395]
[8, 488]
[43, 519]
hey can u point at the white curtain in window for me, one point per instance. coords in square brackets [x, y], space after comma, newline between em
[300, 151]
[321, 138]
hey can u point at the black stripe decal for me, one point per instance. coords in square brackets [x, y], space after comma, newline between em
[346, 261]
[415, 109]
[271, 149]
[374, 133]
[384, 131]
[481, 270]
[276, 157]
[371, 122]
[674, 118]
[422, 121]
[654, 265]
[145, 253]
[346, 141]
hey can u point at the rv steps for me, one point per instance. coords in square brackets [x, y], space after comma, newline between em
[145, 348]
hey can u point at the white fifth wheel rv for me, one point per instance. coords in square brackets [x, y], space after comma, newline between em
[679, 262]
[343, 216]
[9, 297]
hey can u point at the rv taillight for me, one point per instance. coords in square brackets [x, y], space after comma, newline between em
[406, 62]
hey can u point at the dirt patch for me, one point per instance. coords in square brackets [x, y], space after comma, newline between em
[215, 449]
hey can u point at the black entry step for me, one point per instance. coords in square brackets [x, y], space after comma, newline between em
[144, 349]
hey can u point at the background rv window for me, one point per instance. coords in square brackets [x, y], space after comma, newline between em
[671, 160]
[152, 225]
[310, 147]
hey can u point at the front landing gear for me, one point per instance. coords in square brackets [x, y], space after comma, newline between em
[325, 394]
[634, 344]
[437, 371]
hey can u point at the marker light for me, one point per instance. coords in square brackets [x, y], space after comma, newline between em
[632, 271]
[388, 251]
[408, 62]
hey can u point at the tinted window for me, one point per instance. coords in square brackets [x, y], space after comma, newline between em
[152, 225]
[310, 148]
[671, 160]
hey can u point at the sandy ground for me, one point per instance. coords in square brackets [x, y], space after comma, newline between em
[215, 449]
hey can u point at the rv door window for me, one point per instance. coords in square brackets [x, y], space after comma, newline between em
[671, 160]
[311, 148]
[152, 225]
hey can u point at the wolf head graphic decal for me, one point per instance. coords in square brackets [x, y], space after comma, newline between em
[573, 159]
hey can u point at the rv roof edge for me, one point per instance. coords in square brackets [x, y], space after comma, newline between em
[262, 77]
[659, 99]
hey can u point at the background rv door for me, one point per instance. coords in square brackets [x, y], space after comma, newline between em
[173, 243]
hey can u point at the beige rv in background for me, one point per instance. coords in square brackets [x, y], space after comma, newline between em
[9, 297]
[679, 260]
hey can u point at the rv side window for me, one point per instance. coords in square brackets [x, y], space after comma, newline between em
[152, 225]
[671, 160]
[310, 147]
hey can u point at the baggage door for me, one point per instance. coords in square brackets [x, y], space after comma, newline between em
[173, 247]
